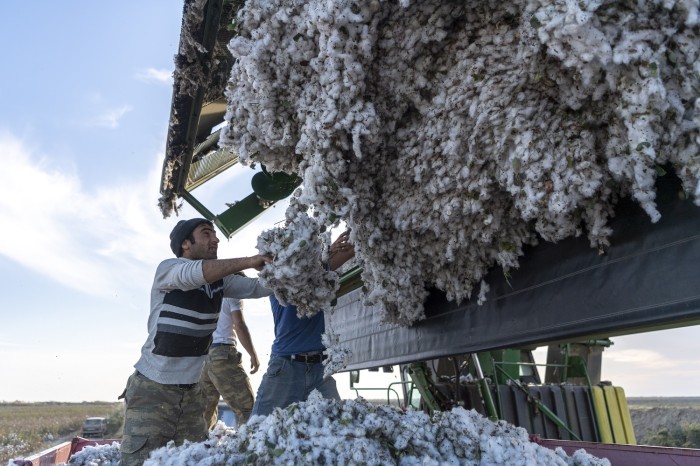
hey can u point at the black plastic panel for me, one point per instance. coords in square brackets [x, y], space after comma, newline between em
[562, 292]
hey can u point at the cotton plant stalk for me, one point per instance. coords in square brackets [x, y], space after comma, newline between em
[451, 134]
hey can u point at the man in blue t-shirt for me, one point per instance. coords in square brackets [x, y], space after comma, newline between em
[295, 368]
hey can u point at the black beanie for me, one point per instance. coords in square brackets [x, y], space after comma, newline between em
[182, 231]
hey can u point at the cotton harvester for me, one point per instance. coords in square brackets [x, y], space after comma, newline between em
[564, 295]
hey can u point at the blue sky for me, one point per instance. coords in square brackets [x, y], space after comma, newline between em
[85, 99]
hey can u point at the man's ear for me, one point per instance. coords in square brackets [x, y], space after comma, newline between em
[186, 245]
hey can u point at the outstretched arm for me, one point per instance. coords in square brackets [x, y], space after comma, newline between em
[216, 269]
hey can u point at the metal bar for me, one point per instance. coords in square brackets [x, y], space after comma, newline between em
[209, 32]
[198, 206]
[403, 389]
[418, 373]
[542, 407]
[349, 281]
[485, 390]
[206, 213]
[240, 214]
[596, 426]
[457, 387]
[388, 391]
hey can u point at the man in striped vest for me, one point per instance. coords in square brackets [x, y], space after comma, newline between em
[164, 400]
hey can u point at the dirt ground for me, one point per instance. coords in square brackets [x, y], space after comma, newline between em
[649, 415]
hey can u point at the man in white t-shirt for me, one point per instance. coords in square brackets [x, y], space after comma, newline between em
[223, 373]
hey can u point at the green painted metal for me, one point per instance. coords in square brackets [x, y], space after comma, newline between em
[199, 207]
[484, 388]
[268, 188]
[419, 375]
[232, 219]
[349, 281]
[388, 390]
[240, 214]
[274, 186]
[508, 357]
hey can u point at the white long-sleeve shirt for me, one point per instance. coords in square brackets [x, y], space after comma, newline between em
[184, 314]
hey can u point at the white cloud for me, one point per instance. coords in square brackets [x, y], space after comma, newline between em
[655, 363]
[9, 344]
[94, 242]
[152, 74]
[100, 241]
[75, 375]
[642, 358]
[111, 118]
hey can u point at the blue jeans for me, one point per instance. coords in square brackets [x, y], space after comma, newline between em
[287, 382]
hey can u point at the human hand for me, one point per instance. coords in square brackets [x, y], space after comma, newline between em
[341, 243]
[254, 364]
[259, 261]
[340, 251]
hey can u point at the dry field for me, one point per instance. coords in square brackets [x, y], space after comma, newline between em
[26, 428]
[677, 416]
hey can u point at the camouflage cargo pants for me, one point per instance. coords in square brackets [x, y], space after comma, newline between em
[156, 414]
[223, 374]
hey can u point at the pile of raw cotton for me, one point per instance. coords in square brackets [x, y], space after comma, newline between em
[97, 455]
[448, 134]
[327, 432]
[298, 276]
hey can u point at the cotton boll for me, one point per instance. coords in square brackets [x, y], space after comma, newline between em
[443, 133]
[296, 272]
[338, 355]
[97, 455]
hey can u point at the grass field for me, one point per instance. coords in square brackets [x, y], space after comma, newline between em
[26, 428]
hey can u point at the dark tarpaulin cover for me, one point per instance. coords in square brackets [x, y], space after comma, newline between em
[566, 291]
